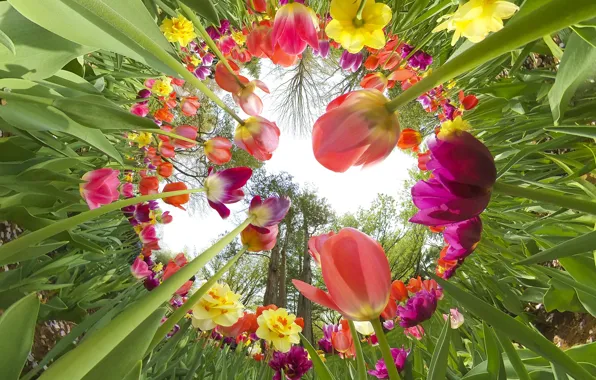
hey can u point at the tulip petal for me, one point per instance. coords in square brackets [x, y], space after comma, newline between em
[315, 294]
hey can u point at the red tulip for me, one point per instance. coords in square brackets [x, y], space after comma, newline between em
[258, 136]
[176, 200]
[468, 102]
[246, 323]
[256, 240]
[390, 311]
[409, 139]
[165, 169]
[356, 273]
[399, 291]
[148, 185]
[259, 6]
[218, 150]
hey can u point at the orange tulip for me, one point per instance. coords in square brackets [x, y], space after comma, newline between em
[300, 322]
[218, 150]
[357, 275]
[245, 324]
[436, 229]
[164, 114]
[342, 340]
[409, 139]
[390, 311]
[165, 169]
[148, 185]
[423, 159]
[261, 309]
[176, 200]
[399, 291]
[377, 80]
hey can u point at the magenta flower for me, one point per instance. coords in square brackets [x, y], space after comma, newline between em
[202, 72]
[399, 356]
[323, 50]
[140, 269]
[350, 62]
[151, 282]
[294, 363]
[419, 308]
[463, 175]
[462, 237]
[100, 187]
[140, 109]
[224, 188]
[128, 190]
[141, 214]
[269, 212]
[144, 94]
[414, 331]
[389, 324]
[294, 27]
[148, 234]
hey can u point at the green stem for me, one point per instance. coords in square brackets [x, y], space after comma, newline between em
[548, 196]
[12, 248]
[169, 134]
[385, 349]
[361, 366]
[549, 18]
[197, 23]
[97, 346]
[179, 313]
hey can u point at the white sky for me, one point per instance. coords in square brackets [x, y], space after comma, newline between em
[346, 192]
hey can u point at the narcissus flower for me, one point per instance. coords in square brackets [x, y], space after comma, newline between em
[357, 129]
[219, 306]
[224, 188]
[176, 200]
[100, 187]
[354, 31]
[409, 139]
[357, 275]
[294, 27]
[188, 131]
[178, 29]
[218, 150]
[162, 87]
[269, 212]
[257, 136]
[256, 240]
[400, 355]
[475, 19]
[456, 318]
[377, 80]
[140, 269]
[419, 308]
[315, 244]
[279, 327]
[462, 237]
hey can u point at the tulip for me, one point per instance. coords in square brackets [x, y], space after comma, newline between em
[357, 275]
[258, 6]
[390, 311]
[400, 355]
[164, 114]
[414, 331]
[127, 190]
[218, 150]
[148, 234]
[257, 136]
[176, 200]
[389, 324]
[325, 343]
[165, 169]
[372, 62]
[418, 309]
[224, 188]
[261, 309]
[409, 139]
[247, 323]
[294, 27]
[188, 131]
[399, 291]
[376, 81]
[357, 129]
[462, 238]
[190, 105]
[268, 213]
[468, 102]
[166, 149]
[294, 364]
[259, 42]
[142, 213]
[423, 159]
[100, 187]
[151, 282]
[140, 109]
[315, 244]
[350, 61]
[256, 240]
[456, 318]
[174, 266]
[342, 340]
[166, 218]
[323, 50]
[140, 269]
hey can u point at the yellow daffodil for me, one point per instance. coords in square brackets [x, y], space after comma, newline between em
[143, 139]
[162, 87]
[454, 127]
[353, 30]
[157, 267]
[280, 328]
[195, 61]
[475, 19]
[219, 306]
[178, 29]
[239, 37]
[128, 177]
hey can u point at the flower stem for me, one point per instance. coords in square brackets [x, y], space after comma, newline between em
[549, 196]
[197, 23]
[169, 134]
[361, 366]
[25, 241]
[553, 16]
[385, 350]
[179, 313]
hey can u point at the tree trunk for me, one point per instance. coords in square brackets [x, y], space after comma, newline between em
[270, 296]
[304, 305]
[282, 290]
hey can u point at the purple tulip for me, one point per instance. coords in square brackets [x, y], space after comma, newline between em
[399, 357]
[323, 50]
[419, 308]
[202, 72]
[350, 62]
[294, 363]
[207, 59]
[462, 237]
[151, 283]
[420, 60]
[213, 32]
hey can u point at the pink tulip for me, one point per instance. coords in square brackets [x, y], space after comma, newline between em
[246, 98]
[357, 275]
[188, 131]
[224, 188]
[148, 234]
[140, 269]
[315, 244]
[258, 136]
[166, 218]
[256, 240]
[415, 332]
[190, 105]
[140, 109]
[128, 190]
[456, 318]
[218, 150]
[100, 187]
[294, 27]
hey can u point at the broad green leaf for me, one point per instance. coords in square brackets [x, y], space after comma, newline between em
[513, 356]
[576, 130]
[17, 328]
[7, 43]
[495, 366]
[34, 252]
[135, 372]
[438, 364]
[320, 368]
[561, 297]
[124, 357]
[124, 27]
[205, 9]
[39, 53]
[514, 329]
[576, 65]
[580, 244]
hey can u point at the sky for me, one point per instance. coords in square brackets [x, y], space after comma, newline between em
[346, 192]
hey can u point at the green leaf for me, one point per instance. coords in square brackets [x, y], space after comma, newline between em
[580, 244]
[514, 329]
[561, 297]
[124, 27]
[438, 364]
[204, 8]
[135, 372]
[576, 65]
[320, 368]
[124, 358]
[513, 356]
[39, 52]
[33, 252]
[576, 130]
[495, 366]
[17, 328]
[7, 43]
